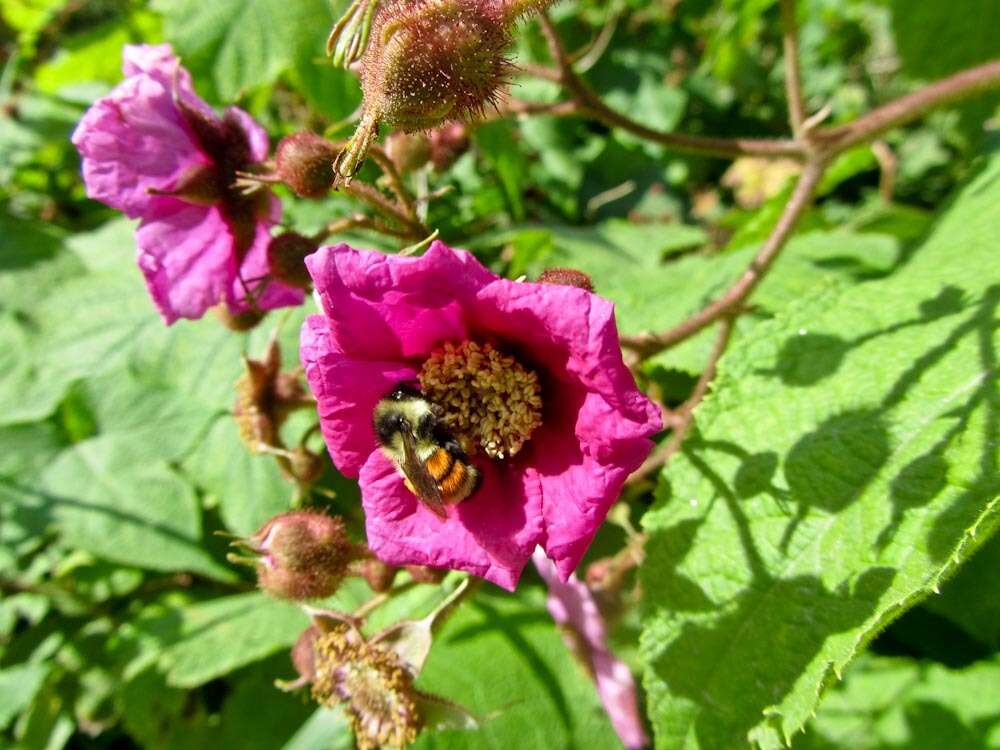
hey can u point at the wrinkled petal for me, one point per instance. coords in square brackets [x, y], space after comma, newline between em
[186, 254]
[384, 315]
[491, 534]
[383, 307]
[608, 421]
[131, 141]
[346, 392]
[573, 606]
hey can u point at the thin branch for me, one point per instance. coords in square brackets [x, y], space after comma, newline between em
[590, 104]
[399, 189]
[793, 76]
[684, 416]
[909, 107]
[387, 208]
[648, 344]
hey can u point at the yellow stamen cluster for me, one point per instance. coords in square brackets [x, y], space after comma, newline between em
[487, 397]
[373, 687]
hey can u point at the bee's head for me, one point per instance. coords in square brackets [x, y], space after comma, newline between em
[404, 392]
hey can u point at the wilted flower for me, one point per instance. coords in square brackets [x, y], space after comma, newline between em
[530, 378]
[573, 608]
[372, 678]
[372, 684]
[154, 150]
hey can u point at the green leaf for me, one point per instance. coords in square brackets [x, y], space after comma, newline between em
[845, 463]
[236, 45]
[105, 498]
[502, 658]
[325, 730]
[250, 488]
[652, 295]
[18, 686]
[892, 704]
[206, 640]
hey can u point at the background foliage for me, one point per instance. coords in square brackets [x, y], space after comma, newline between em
[843, 474]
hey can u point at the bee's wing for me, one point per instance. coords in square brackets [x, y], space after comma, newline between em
[426, 487]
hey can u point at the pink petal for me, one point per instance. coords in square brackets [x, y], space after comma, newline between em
[491, 534]
[383, 307]
[346, 392]
[572, 605]
[260, 143]
[132, 140]
[597, 427]
[186, 254]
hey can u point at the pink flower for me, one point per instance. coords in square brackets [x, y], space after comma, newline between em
[386, 321]
[154, 150]
[573, 608]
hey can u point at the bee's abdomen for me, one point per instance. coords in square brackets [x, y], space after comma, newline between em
[440, 464]
[455, 477]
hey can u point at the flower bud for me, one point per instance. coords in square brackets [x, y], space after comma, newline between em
[377, 574]
[448, 142]
[301, 555]
[304, 653]
[240, 322]
[286, 257]
[304, 162]
[566, 277]
[424, 574]
[431, 61]
[408, 151]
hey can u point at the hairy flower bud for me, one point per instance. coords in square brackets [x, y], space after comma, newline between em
[301, 555]
[286, 256]
[448, 142]
[566, 277]
[304, 162]
[431, 61]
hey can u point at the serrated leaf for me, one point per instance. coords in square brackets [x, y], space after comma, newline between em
[846, 461]
[971, 599]
[891, 704]
[503, 659]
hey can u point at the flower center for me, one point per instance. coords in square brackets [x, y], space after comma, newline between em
[374, 688]
[488, 398]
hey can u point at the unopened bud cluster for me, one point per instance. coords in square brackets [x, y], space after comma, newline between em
[429, 62]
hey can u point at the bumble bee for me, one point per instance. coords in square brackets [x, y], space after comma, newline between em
[432, 463]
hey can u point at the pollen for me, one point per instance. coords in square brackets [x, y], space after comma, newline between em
[373, 687]
[486, 396]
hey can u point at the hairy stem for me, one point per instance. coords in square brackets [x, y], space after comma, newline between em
[793, 77]
[962, 85]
